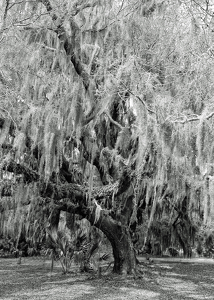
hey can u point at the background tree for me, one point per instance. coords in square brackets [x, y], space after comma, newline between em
[106, 112]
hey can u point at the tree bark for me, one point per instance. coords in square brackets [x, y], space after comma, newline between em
[123, 251]
[120, 239]
[184, 241]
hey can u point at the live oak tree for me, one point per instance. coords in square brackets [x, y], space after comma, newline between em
[107, 113]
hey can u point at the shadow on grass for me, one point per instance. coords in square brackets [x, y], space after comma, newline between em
[161, 281]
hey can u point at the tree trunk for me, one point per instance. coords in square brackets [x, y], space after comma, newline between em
[122, 245]
[187, 250]
[184, 242]
[123, 251]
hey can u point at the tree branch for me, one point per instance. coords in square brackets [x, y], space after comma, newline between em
[28, 174]
[113, 122]
[76, 9]
[68, 43]
[58, 191]
[192, 119]
[4, 18]
[141, 100]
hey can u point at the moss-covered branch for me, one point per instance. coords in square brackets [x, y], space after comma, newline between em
[68, 43]
[18, 169]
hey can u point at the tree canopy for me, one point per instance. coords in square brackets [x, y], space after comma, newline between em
[107, 112]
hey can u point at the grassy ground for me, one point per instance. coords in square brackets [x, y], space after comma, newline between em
[162, 280]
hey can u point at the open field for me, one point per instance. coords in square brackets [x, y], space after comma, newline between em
[164, 279]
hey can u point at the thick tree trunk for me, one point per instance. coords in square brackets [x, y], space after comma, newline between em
[122, 245]
[123, 251]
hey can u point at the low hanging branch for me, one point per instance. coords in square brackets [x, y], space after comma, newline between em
[68, 190]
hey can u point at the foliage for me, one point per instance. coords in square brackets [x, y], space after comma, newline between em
[107, 112]
[205, 241]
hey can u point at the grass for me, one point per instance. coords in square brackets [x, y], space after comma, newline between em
[162, 280]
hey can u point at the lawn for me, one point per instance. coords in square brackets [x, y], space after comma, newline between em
[161, 280]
